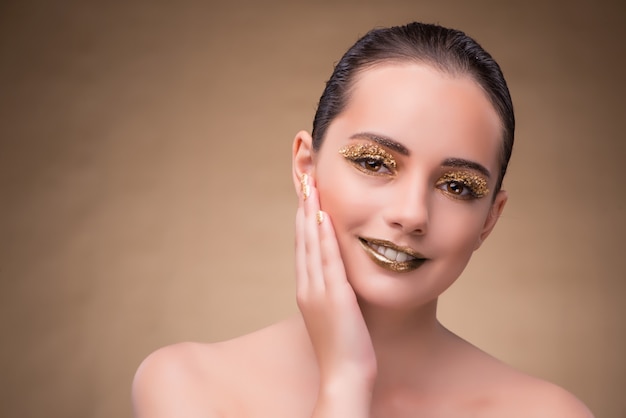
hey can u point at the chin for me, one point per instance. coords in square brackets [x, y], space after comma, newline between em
[379, 287]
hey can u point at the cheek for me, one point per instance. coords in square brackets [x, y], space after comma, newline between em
[456, 227]
[343, 200]
[348, 200]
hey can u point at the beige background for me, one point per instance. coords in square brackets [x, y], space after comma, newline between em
[146, 194]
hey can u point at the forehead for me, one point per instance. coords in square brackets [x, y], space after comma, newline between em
[419, 105]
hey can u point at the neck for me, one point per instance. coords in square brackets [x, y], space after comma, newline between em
[391, 325]
[405, 341]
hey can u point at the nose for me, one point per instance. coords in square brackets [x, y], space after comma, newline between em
[408, 208]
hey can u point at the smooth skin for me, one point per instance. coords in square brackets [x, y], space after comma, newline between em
[367, 342]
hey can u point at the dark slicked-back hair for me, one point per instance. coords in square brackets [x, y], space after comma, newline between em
[448, 50]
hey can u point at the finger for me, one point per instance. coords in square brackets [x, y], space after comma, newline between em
[315, 274]
[301, 273]
[330, 255]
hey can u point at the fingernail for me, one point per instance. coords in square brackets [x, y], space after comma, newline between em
[319, 217]
[304, 186]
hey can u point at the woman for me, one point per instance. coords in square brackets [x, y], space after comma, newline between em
[399, 183]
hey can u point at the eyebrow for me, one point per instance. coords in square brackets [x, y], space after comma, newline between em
[401, 149]
[382, 140]
[462, 163]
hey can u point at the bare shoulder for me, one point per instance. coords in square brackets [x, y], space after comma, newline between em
[496, 389]
[227, 378]
[519, 394]
[540, 398]
[170, 382]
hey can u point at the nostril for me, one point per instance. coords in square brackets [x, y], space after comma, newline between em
[409, 209]
[418, 230]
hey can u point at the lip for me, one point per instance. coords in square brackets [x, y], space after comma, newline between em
[396, 266]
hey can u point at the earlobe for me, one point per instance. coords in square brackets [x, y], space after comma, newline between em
[302, 158]
[497, 207]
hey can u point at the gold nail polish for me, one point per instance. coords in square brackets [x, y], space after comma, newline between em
[319, 217]
[304, 186]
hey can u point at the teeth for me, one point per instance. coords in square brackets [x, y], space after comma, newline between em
[391, 254]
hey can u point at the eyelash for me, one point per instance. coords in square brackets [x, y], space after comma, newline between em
[362, 155]
[371, 162]
[472, 185]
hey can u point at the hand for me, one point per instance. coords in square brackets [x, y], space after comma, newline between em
[328, 304]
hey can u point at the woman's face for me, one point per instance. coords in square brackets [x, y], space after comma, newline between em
[406, 174]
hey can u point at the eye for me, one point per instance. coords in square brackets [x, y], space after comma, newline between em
[463, 185]
[374, 165]
[370, 158]
[456, 188]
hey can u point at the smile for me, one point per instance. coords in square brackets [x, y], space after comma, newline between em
[390, 256]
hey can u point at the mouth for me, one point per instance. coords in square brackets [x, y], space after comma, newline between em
[391, 256]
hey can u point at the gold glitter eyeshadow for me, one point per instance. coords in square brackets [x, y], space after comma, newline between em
[476, 184]
[362, 153]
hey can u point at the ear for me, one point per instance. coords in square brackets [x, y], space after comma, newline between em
[302, 157]
[492, 218]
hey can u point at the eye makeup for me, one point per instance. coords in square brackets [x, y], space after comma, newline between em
[374, 159]
[463, 185]
[369, 158]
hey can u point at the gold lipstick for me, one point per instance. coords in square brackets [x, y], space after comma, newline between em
[391, 256]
